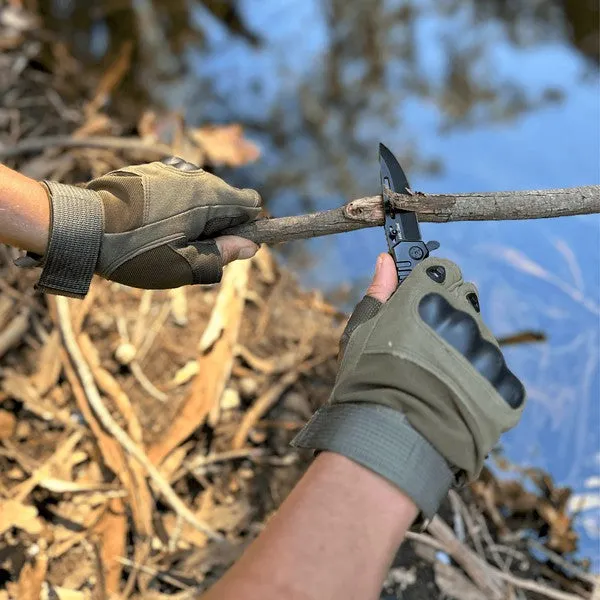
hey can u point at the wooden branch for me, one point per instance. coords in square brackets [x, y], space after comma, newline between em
[436, 208]
[362, 212]
[154, 150]
[14, 331]
[487, 577]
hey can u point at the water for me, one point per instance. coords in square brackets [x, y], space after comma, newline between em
[472, 96]
[469, 105]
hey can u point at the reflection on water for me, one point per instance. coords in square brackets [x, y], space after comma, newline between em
[471, 95]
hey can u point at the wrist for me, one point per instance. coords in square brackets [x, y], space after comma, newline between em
[386, 506]
[40, 219]
[25, 212]
[381, 439]
[74, 241]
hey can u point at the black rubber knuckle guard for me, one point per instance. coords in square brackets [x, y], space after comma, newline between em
[76, 230]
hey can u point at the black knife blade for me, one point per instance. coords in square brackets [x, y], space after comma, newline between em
[393, 177]
[401, 226]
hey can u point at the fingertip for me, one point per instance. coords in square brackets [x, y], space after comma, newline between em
[233, 248]
[385, 257]
[247, 251]
[388, 270]
[385, 280]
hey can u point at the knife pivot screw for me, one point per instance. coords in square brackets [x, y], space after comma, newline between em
[416, 252]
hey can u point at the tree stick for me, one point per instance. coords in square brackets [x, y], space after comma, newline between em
[484, 575]
[435, 208]
[154, 150]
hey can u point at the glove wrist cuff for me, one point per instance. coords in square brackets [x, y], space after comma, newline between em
[76, 230]
[381, 439]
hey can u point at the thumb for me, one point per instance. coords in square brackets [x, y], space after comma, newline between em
[233, 247]
[385, 280]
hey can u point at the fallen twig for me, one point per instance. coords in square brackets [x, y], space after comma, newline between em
[566, 565]
[437, 208]
[15, 331]
[522, 337]
[154, 572]
[142, 379]
[203, 461]
[484, 575]
[87, 381]
[264, 402]
[477, 569]
[155, 150]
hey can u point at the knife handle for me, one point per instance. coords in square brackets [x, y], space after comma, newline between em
[407, 255]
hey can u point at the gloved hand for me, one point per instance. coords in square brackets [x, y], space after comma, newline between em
[423, 392]
[147, 226]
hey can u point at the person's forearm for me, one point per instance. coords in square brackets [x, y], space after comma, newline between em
[24, 212]
[333, 537]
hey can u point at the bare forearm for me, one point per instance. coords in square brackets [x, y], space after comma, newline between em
[24, 212]
[334, 537]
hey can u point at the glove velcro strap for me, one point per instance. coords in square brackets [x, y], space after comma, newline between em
[381, 439]
[76, 230]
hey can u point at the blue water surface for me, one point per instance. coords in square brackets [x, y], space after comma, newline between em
[539, 275]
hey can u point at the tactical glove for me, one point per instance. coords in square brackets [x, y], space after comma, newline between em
[423, 392]
[148, 226]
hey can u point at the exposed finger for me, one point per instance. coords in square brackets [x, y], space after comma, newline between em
[385, 280]
[233, 248]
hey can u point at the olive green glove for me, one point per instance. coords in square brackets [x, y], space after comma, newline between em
[148, 226]
[423, 392]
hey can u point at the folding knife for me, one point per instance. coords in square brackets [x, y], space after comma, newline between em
[401, 226]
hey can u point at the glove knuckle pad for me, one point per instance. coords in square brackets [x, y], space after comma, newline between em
[452, 272]
[460, 330]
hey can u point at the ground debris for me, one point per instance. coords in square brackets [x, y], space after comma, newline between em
[207, 385]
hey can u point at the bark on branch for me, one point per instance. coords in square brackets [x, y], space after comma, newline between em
[437, 208]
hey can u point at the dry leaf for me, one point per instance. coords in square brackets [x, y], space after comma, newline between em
[20, 387]
[265, 263]
[58, 464]
[562, 538]
[7, 424]
[15, 514]
[32, 578]
[221, 517]
[13, 333]
[111, 78]
[185, 374]
[49, 365]
[60, 486]
[171, 463]
[112, 533]
[225, 145]
[61, 593]
[179, 306]
[6, 308]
